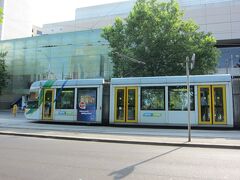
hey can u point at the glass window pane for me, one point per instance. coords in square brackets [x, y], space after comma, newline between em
[205, 104]
[152, 98]
[65, 99]
[33, 100]
[48, 99]
[131, 104]
[218, 104]
[33, 96]
[120, 104]
[177, 98]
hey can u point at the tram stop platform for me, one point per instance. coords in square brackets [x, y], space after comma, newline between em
[19, 126]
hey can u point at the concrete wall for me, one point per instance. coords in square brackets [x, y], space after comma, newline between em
[221, 17]
[80, 25]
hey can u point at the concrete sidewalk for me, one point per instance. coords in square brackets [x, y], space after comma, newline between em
[129, 139]
[171, 137]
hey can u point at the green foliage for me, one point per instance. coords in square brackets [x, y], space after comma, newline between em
[155, 33]
[3, 71]
[1, 15]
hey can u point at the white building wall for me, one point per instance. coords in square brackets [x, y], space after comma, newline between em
[221, 17]
[112, 9]
[16, 19]
[80, 25]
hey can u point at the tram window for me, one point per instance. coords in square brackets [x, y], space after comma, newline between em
[153, 98]
[65, 99]
[33, 96]
[177, 98]
[33, 100]
[32, 104]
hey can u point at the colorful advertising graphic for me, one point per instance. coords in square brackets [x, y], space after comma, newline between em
[87, 104]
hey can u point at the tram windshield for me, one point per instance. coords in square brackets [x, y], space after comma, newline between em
[33, 99]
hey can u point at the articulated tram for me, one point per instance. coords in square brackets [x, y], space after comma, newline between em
[134, 101]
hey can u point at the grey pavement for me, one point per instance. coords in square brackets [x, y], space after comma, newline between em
[30, 158]
[154, 136]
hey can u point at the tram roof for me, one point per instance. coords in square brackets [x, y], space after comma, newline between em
[172, 79]
[66, 83]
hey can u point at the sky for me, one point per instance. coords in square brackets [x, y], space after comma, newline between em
[51, 11]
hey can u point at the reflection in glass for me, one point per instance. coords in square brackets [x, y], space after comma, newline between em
[120, 104]
[131, 104]
[48, 104]
[65, 99]
[82, 54]
[218, 104]
[152, 98]
[178, 99]
[205, 102]
[33, 100]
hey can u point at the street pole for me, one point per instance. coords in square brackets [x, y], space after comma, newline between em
[188, 99]
[191, 63]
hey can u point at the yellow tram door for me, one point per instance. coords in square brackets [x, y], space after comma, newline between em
[47, 112]
[119, 104]
[204, 105]
[219, 104]
[212, 104]
[126, 105]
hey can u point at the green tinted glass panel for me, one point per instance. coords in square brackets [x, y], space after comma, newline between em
[120, 104]
[152, 98]
[205, 105]
[131, 104]
[218, 104]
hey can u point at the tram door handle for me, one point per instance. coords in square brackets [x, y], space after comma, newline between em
[100, 108]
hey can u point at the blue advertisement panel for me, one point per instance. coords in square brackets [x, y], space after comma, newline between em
[87, 104]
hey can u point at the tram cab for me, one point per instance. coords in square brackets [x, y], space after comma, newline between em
[78, 100]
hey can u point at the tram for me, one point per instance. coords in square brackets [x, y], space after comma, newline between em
[163, 100]
[66, 100]
[134, 101]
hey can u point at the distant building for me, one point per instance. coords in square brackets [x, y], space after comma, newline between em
[92, 17]
[16, 19]
[72, 55]
[221, 17]
[36, 31]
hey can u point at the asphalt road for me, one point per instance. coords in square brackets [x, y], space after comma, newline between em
[23, 158]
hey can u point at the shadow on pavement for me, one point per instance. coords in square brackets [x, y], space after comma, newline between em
[122, 173]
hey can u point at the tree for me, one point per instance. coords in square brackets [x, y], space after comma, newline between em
[3, 71]
[1, 15]
[155, 33]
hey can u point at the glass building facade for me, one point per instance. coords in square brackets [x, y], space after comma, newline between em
[70, 55]
[230, 57]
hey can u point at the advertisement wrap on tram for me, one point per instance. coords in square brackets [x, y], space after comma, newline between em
[87, 104]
